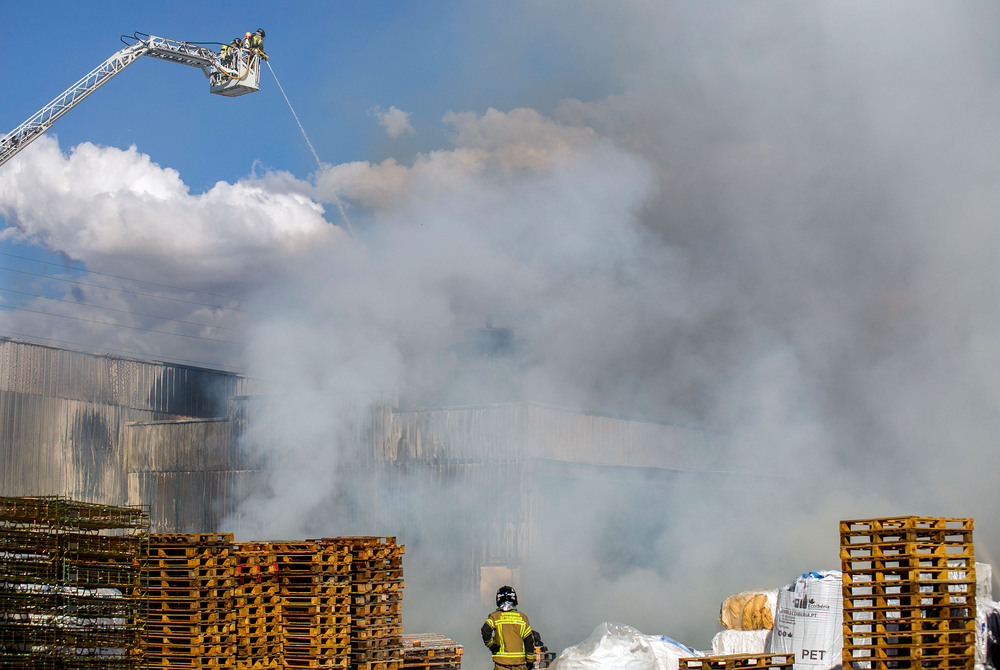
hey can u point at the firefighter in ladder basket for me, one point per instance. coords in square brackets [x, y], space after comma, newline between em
[507, 634]
[255, 41]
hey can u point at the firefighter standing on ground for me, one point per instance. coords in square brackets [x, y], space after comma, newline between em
[507, 633]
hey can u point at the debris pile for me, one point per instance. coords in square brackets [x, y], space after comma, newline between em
[431, 652]
[616, 645]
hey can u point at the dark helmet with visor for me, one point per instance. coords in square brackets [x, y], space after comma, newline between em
[506, 594]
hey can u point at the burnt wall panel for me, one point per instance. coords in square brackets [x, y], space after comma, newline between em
[179, 445]
[57, 446]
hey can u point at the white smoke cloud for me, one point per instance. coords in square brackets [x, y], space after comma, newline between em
[521, 138]
[372, 187]
[395, 121]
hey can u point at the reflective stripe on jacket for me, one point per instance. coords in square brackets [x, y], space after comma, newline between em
[511, 631]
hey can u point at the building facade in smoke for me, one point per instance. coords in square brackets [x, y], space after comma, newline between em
[492, 482]
[116, 430]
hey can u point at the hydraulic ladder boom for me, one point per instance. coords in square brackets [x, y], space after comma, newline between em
[241, 76]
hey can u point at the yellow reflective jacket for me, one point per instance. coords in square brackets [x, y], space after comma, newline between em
[508, 635]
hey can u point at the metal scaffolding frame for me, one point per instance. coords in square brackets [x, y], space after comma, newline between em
[71, 584]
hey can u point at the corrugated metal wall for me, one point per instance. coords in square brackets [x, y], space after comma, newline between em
[194, 501]
[104, 428]
[193, 443]
[519, 431]
[190, 472]
[180, 445]
[165, 388]
[57, 446]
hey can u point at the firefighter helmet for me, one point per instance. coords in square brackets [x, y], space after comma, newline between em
[506, 594]
[261, 31]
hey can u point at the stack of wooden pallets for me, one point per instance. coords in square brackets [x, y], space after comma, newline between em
[191, 622]
[258, 607]
[909, 593]
[429, 651]
[376, 601]
[313, 588]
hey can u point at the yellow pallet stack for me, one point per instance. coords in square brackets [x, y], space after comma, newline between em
[191, 621]
[315, 630]
[258, 607]
[376, 601]
[909, 593]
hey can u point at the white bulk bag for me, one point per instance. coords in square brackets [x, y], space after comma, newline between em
[809, 621]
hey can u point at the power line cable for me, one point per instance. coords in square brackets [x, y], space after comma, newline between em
[108, 274]
[122, 311]
[123, 290]
[121, 325]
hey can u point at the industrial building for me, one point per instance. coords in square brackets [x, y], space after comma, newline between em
[110, 429]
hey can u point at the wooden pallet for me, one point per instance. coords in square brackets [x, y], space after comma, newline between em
[189, 663]
[906, 523]
[739, 662]
[909, 589]
[950, 663]
[432, 651]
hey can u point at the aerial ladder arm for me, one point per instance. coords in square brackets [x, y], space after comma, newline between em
[243, 76]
